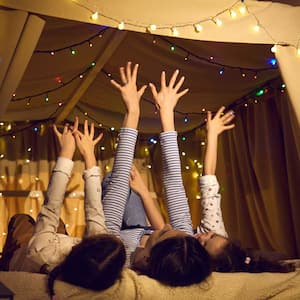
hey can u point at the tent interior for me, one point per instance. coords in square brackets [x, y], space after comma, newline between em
[56, 62]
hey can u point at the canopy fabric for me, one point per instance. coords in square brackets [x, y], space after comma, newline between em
[240, 63]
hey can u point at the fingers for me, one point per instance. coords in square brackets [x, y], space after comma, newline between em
[153, 90]
[173, 79]
[134, 72]
[163, 79]
[183, 93]
[86, 127]
[123, 76]
[66, 128]
[227, 127]
[179, 83]
[98, 138]
[115, 84]
[128, 71]
[76, 122]
[57, 133]
[92, 130]
[208, 116]
[142, 90]
[220, 111]
[228, 117]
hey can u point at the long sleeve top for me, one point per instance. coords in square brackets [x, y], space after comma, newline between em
[212, 219]
[47, 248]
[117, 192]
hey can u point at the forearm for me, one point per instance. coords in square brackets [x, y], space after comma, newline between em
[152, 211]
[210, 160]
[131, 118]
[94, 215]
[167, 119]
[177, 204]
[48, 218]
[117, 191]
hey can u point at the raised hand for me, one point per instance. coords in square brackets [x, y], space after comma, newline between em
[168, 95]
[219, 122]
[167, 98]
[66, 141]
[86, 143]
[130, 94]
[136, 181]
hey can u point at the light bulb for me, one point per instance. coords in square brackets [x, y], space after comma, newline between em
[152, 27]
[256, 28]
[274, 49]
[198, 28]
[232, 13]
[95, 16]
[175, 31]
[121, 25]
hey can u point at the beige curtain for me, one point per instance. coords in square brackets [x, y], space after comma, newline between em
[259, 172]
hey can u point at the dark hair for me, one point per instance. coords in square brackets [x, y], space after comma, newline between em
[234, 258]
[179, 261]
[95, 263]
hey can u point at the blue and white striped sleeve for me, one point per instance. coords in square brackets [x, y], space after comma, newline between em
[117, 191]
[177, 204]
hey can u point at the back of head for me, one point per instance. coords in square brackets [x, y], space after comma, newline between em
[236, 259]
[95, 263]
[179, 261]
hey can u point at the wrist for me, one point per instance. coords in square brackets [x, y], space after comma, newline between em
[66, 154]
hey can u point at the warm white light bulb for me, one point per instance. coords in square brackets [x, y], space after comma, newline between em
[298, 51]
[175, 31]
[233, 14]
[121, 25]
[152, 27]
[274, 49]
[242, 9]
[95, 16]
[256, 28]
[218, 22]
[198, 27]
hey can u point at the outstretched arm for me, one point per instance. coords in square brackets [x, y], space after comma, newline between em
[212, 219]
[94, 216]
[153, 213]
[48, 218]
[117, 192]
[214, 127]
[177, 204]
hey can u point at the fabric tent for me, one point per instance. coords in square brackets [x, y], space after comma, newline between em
[223, 65]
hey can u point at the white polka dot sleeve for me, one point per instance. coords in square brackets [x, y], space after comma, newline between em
[212, 219]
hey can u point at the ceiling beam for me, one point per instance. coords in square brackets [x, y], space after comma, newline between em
[20, 41]
[104, 56]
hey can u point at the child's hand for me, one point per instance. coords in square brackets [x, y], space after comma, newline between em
[168, 96]
[86, 143]
[136, 181]
[66, 141]
[218, 123]
[131, 95]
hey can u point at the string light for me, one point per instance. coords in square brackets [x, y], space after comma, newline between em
[256, 27]
[89, 40]
[174, 31]
[121, 25]
[198, 28]
[95, 16]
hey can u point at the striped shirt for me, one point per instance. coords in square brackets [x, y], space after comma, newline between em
[117, 191]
